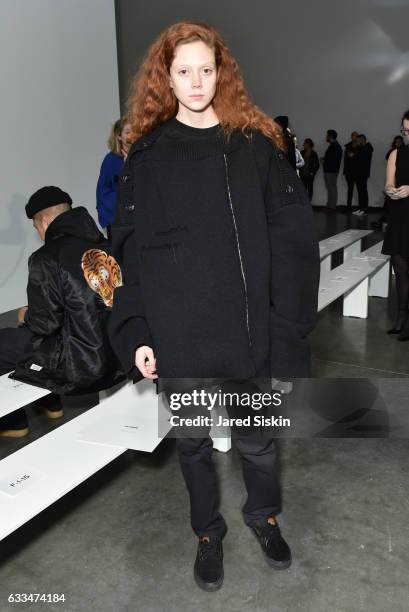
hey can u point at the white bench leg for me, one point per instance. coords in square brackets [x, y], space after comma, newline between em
[352, 250]
[356, 301]
[221, 444]
[326, 264]
[379, 282]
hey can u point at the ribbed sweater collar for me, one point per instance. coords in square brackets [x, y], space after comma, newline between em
[180, 142]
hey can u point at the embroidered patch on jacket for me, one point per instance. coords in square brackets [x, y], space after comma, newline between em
[102, 273]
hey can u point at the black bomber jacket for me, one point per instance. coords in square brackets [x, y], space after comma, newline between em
[70, 285]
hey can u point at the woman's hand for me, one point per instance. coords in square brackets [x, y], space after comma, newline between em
[125, 150]
[21, 315]
[401, 192]
[145, 362]
[390, 191]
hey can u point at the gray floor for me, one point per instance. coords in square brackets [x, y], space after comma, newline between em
[122, 541]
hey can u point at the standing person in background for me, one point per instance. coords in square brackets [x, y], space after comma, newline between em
[396, 241]
[349, 166]
[363, 160]
[111, 169]
[311, 166]
[396, 143]
[283, 122]
[331, 165]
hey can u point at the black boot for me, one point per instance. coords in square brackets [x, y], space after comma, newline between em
[208, 570]
[400, 322]
[14, 425]
[404, 334]
[275, 548]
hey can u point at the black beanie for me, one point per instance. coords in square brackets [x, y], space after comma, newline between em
[44, 198]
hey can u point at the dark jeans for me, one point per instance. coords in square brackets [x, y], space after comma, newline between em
[258, 458]
[362, 187]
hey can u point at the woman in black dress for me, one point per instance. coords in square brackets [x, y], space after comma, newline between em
[396, 241]
[214, 234]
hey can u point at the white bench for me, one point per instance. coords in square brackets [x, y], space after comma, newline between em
[350, 241]
[40, 473]
[366, 274]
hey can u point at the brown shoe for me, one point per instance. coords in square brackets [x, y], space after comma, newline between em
[51, 405]
[14, 424]
[14, 433]
[54, 413]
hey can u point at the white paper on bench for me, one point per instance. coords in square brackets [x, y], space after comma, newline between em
[17, 482]
[65, 460]
[15, 394]
[135, 427]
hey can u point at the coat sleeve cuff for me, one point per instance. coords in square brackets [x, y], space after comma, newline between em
[128, 331]
[289, 350]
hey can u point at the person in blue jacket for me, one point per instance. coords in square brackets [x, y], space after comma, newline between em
[111, 168]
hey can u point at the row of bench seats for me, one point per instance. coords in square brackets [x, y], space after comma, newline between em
[362, 275]
[41, 472]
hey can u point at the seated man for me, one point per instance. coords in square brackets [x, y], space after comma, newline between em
[62, 342]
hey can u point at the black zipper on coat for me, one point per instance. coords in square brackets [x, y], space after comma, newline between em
[238, 248]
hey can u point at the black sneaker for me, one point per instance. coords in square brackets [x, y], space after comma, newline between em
[208, 570]
[275, 548]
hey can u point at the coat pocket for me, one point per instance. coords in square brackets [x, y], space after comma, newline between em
[161, 253]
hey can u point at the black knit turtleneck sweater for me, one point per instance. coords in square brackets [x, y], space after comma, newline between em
[177, 130]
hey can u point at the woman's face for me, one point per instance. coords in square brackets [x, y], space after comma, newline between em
[125, 135]
[193, 75]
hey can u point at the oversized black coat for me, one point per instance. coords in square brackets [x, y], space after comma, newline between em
[219, 259]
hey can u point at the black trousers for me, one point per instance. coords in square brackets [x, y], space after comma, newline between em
[308, 182]
[362, 187]
[258, 458]
[15, 345]
[351, 182]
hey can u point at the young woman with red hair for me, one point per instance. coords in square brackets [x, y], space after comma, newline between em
[215, 237]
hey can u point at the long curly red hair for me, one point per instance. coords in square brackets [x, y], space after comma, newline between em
[151, 100]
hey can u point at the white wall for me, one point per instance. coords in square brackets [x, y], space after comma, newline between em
[58, 99]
